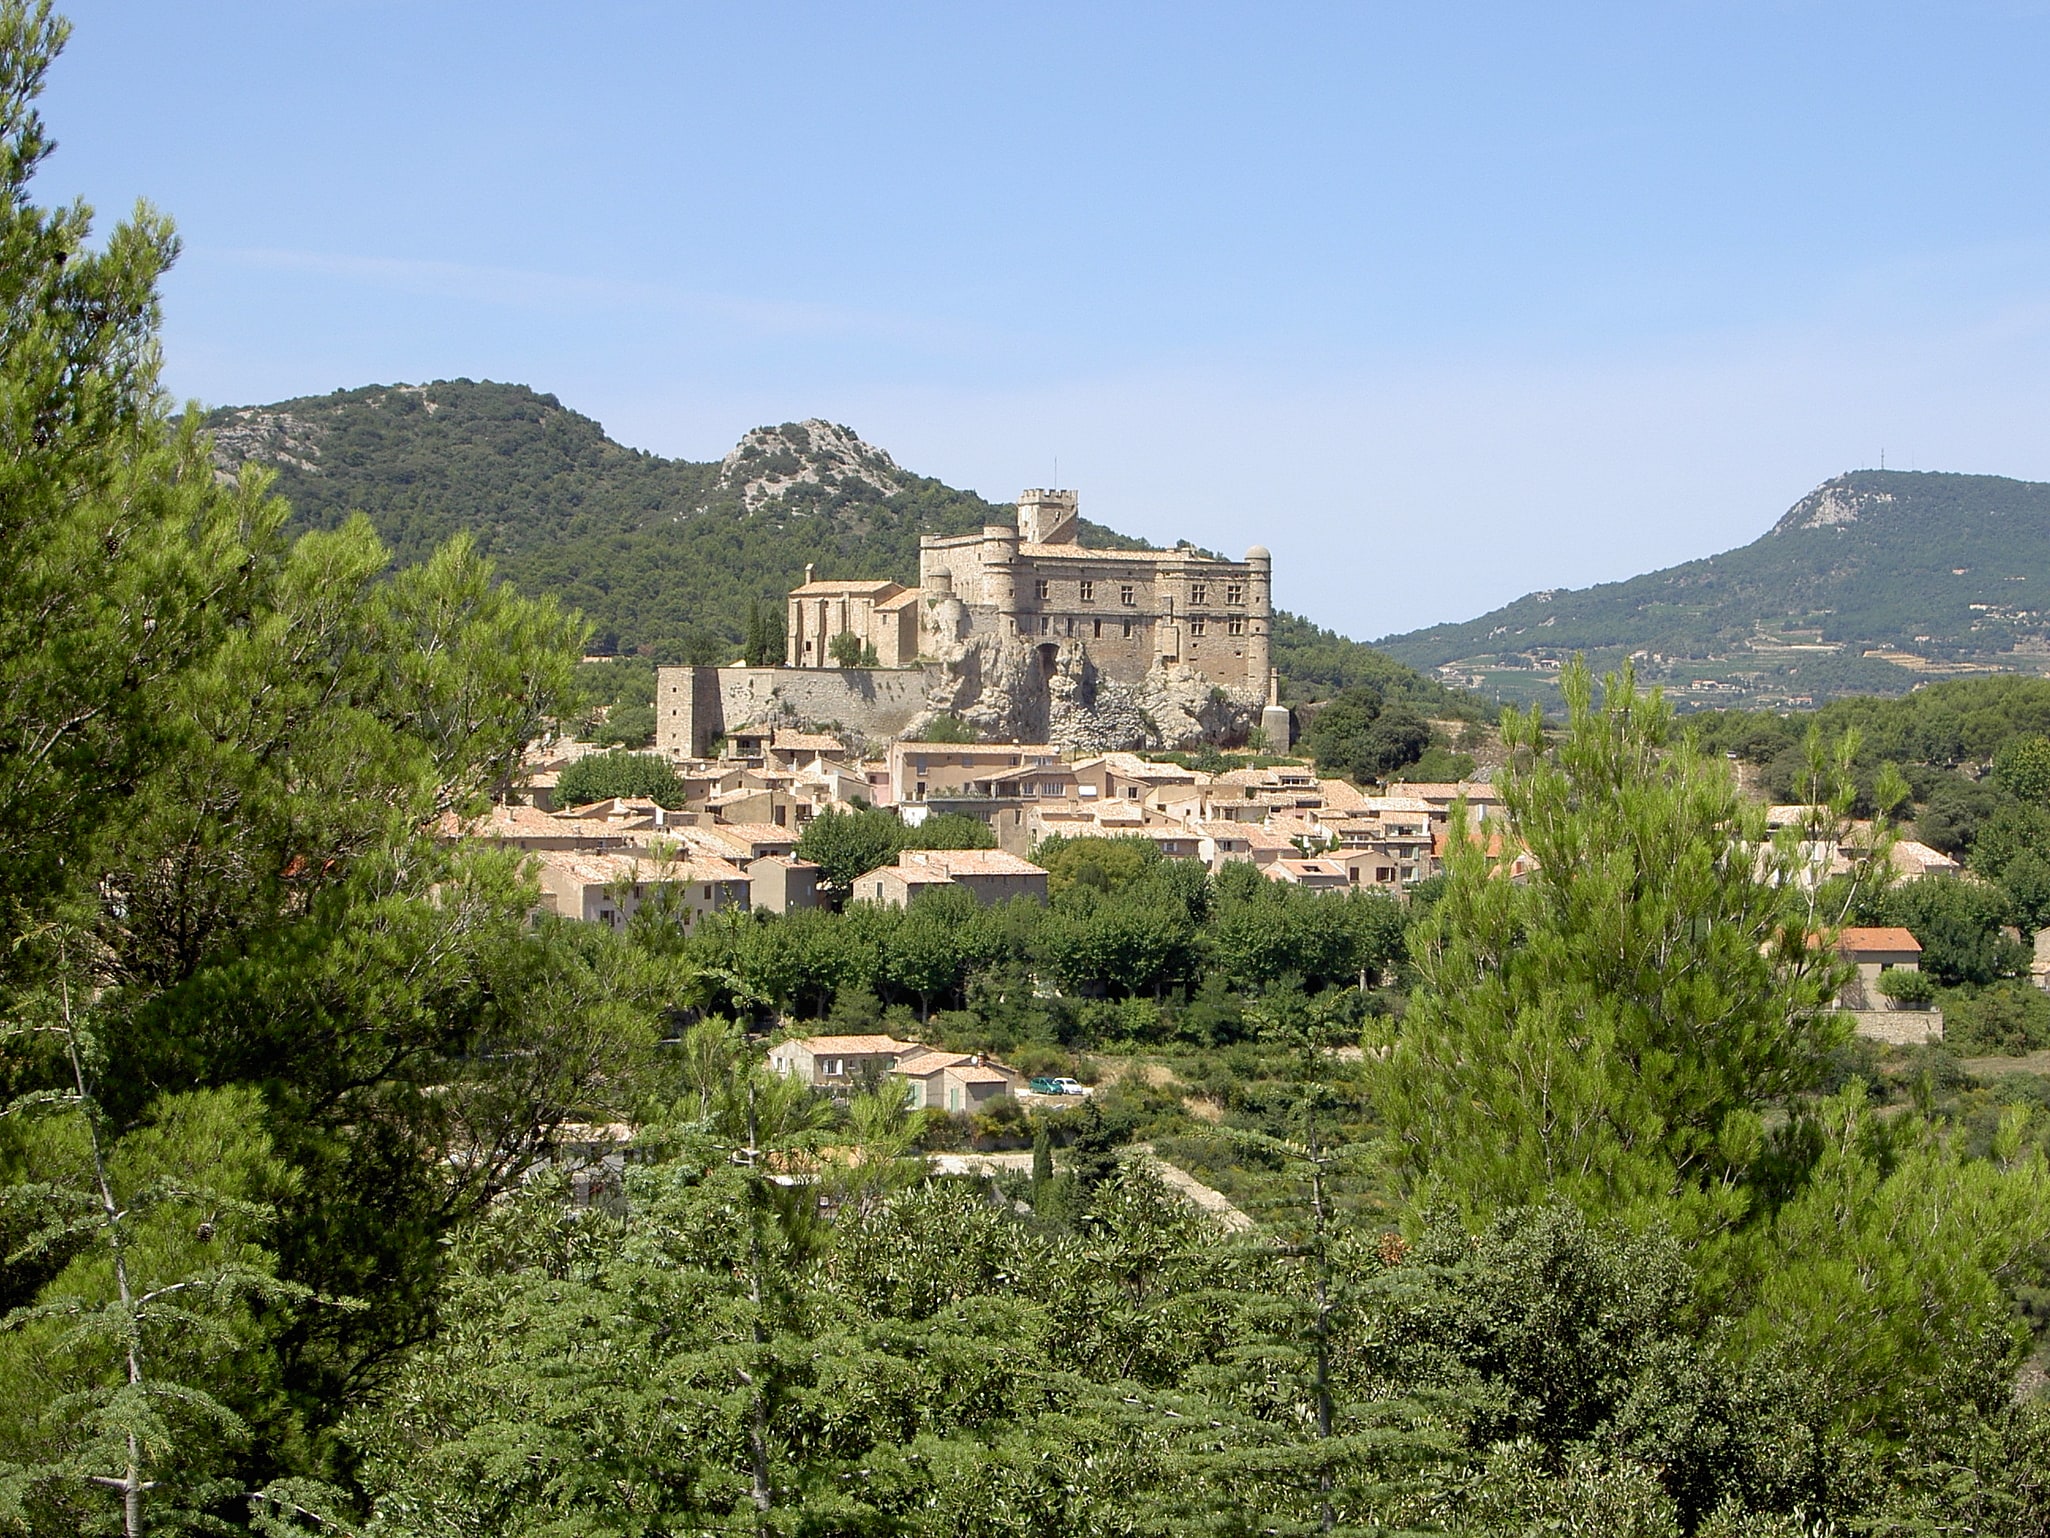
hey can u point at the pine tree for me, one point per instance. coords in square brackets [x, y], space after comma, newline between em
[1610, 1028]
[137, 1341]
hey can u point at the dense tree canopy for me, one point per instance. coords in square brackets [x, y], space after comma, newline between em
[598, 776]
[1365, 738]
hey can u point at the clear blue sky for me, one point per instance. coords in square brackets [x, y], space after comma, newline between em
[1442, 302]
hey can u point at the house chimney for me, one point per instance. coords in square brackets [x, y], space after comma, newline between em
[807, 573]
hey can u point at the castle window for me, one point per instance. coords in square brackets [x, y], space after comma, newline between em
[1198, 593]
[1127, 594]
[1235, 625]
[1195, 627]
[1042, 588]
[1089, 592]
[1045, 624]
[1099, 630]
[1234, 592]
[1128, 630]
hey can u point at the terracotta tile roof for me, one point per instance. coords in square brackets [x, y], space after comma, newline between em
[1909, 855]
[969, 862]
[865, 588]
[608, 869]
[1881, 938]
[1264, 838]
[1343, 796]
[853, 1046]
[754, 832]
[1294, 827]
[1446, 790]
[806, 742]
[509, 822]
[972, 1074]
[711, 839]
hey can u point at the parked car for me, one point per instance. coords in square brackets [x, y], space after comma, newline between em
[1056, 1086]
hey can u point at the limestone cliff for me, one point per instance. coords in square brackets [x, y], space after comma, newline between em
[1010, 687]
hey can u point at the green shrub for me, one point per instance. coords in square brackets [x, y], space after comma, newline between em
[619, 773]
[950, 830]
[1905, 986]
[2007, 1019]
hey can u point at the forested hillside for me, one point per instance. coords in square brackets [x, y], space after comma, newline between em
[1933, 573]
[664, 556]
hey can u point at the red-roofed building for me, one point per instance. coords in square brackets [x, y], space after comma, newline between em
[1317, 875]
[954, 1081]
[1873, 951]
[993, 875]
[1508, 858]
[945, 1081]
[838, 1062]
[530, 828]
[612, 888]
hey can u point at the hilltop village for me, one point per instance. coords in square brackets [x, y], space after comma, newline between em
[733, 842]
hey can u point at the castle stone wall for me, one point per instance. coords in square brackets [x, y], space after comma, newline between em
[694, 707]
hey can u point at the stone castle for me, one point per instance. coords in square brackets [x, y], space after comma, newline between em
[1022, 633]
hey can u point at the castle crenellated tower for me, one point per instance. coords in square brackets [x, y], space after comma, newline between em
[1047, 517]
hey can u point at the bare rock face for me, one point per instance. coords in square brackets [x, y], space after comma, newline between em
[1011, 688]
[1831, 504]
[268, 437]
[770, 461]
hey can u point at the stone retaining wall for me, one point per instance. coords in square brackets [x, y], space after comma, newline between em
[1898, 1027]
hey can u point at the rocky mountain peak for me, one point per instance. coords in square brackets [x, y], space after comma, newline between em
[770, 461]
[1834, 503]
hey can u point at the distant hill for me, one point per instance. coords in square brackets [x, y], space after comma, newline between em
[1872, 583]
[665, 556]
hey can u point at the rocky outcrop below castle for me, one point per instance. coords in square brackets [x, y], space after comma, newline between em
[1052, 692]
